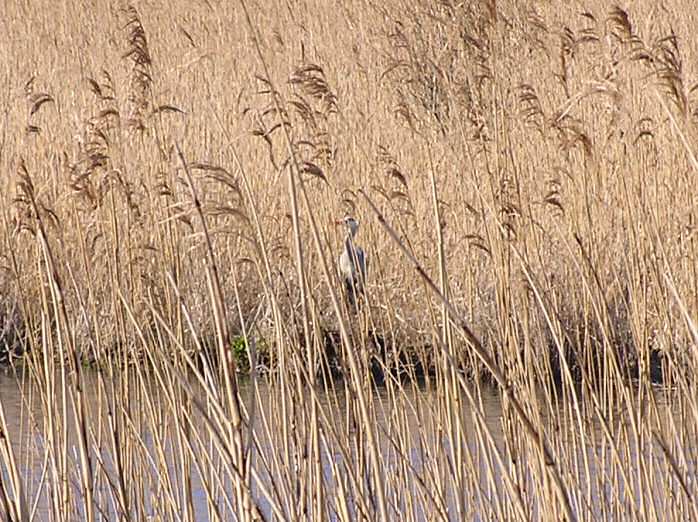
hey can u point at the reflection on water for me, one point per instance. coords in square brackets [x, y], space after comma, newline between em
[137, 430]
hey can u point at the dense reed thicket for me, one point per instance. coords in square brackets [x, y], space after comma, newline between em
[525, 178]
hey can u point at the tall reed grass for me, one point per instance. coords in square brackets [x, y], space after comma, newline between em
[524, 175]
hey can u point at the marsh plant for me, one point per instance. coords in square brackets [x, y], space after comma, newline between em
[525, 177]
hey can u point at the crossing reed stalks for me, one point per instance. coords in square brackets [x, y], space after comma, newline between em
[171, 315]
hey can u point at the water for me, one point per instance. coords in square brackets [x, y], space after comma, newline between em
[175, 467]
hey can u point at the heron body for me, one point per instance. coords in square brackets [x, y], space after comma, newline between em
[352, 263]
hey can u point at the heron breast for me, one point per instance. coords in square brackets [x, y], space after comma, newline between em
[346, 265]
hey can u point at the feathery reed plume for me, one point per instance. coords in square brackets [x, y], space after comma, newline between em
[36, 101]
[185, 351]
[141, 79]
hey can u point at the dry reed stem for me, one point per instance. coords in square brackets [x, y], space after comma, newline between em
[565, 233]
[537, 437]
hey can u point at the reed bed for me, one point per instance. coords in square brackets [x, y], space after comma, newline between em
[524, 174]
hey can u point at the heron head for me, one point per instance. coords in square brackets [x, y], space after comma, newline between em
[351, 223]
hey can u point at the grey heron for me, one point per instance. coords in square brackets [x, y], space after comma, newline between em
[352, 261]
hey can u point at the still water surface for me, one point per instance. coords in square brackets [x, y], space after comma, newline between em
[598, 477]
